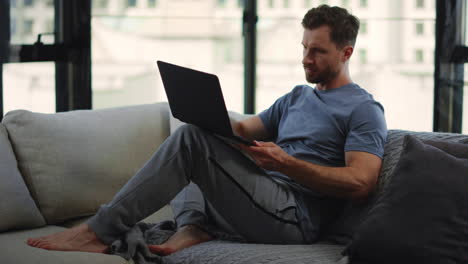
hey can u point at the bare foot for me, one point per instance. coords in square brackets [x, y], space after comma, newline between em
[79, 238]
[186, 236]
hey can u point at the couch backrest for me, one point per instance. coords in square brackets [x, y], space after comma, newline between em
[73, 162]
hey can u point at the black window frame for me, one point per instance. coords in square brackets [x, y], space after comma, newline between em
[71, 53]
[450, 56]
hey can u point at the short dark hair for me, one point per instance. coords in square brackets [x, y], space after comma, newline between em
[344, 26]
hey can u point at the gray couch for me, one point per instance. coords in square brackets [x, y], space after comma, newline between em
[57, 169]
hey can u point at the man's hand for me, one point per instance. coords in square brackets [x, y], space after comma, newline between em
[267, 155]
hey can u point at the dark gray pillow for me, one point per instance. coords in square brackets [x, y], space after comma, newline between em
[17, 208]
[422, 217]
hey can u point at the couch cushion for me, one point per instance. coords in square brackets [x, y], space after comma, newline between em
[17, 208]
[75, 161]
[219, 252]
[422, 216]
[13, 249]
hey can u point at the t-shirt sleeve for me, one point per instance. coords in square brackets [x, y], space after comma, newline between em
[367, 129]
[271, 117]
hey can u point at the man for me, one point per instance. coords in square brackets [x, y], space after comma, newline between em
[326, 146]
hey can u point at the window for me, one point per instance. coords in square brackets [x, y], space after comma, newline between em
[240, 3]
[191, 35]
[363, 3]
[363, 56]
[29, 86]
[345, 3]
[12, 3]
[363, 28]
[101, 4]
[419, 55]
[28, 2]
[49, 26]
[13, 27]
[221, 3]
[28, 27]
[151, 3]
[419, 3]
[271, 3]
[131, 3]
[419, 28]
[307, 3]
[286, 3]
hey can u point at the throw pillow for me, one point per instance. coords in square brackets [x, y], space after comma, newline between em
[17, 208]
[422, 217]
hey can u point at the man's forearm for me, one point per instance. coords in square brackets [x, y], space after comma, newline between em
[337, 181]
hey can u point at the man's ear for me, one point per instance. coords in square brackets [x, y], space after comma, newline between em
[347, 52]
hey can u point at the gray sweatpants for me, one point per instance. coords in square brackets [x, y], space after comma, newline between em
[241, 197]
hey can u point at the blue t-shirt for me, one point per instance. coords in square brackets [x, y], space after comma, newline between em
[319, 127]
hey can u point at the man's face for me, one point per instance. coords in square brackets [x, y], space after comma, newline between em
[322, 60]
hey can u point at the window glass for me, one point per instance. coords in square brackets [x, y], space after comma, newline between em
[420, 3]
[362, 56]
[419, 55]
[28, 2]
[384, 61]
[30, 18]
[221, 3]
[197, 34]
[131, 3]
[363, 28]
[28, 26]
[271, 3]
[363, 3]
[29, 86]
[98, 4]
[13, 26]
[151, 3]
[419, 28]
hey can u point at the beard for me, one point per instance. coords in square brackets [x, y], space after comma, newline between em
[316, 76]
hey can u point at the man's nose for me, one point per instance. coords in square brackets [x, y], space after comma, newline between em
[307, 59]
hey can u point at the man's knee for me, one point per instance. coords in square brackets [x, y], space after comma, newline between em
[188, 128]
[190, 131]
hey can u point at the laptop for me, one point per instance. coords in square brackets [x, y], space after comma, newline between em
[196, 98]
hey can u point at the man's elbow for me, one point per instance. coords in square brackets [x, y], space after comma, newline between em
[363, 189]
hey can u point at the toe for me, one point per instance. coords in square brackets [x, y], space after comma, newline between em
[32, 242]
[37, 242]
[160, 250]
